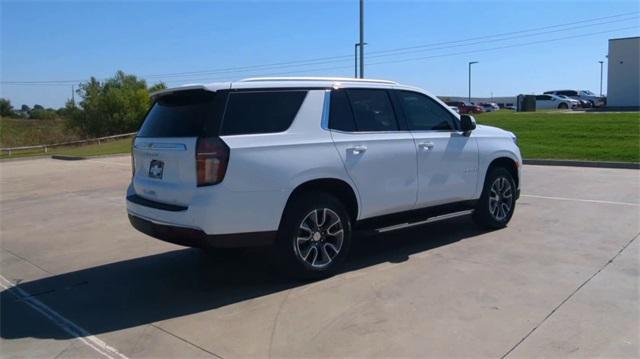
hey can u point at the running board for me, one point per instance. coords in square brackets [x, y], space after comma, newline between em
[414, 217]
[428, 220]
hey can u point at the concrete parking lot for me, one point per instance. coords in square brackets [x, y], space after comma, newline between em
[561, 281]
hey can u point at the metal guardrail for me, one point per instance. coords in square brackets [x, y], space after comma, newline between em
[45, 148]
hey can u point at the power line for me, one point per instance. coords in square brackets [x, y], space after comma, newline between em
[426, 57]
[179, 76]
[317, 61]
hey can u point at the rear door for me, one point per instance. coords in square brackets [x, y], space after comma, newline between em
[164, 149]
[379, 155]
[447, 159]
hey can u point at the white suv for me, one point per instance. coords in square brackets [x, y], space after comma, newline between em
[301, 163]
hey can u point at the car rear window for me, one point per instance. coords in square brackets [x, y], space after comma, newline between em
[189, 113]
[251, 112]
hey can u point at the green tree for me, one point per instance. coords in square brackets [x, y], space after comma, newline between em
[6, 109]
[117, 105]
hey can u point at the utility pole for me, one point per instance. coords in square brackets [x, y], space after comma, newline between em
[601, 63]
[361, 39]
[470, 63]
[356, 59]
[73, 94]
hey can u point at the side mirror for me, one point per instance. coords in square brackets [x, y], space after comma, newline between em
[467, 123]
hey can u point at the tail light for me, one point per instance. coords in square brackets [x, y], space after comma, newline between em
[212, 157]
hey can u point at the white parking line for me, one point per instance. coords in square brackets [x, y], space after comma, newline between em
[65, 324]
[582, 200]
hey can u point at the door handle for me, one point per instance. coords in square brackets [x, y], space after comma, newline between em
[426, 145]
[356, 150]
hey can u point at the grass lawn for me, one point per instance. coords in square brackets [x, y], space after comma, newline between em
[577, 136]
[105, 148]
[24, 132]
[542, 135]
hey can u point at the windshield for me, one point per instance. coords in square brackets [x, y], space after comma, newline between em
[587, 92]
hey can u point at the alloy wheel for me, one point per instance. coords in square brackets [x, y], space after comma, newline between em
[500, 198]
[319, 238]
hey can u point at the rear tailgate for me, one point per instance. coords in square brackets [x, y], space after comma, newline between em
[164, 150]
[165, 169]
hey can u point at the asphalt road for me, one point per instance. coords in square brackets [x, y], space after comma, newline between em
[561, 281]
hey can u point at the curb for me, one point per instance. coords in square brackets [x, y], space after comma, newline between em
[573, 163]
[67, 158]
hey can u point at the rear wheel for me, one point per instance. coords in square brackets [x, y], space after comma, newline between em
[498, 201]
[314, 236]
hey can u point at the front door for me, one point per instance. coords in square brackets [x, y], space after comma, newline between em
[447, 158]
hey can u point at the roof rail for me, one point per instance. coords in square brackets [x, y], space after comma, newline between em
[339, 79]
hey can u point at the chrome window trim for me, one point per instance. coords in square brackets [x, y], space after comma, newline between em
[160, 146]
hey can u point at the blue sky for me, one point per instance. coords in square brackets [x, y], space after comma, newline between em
[71, 41]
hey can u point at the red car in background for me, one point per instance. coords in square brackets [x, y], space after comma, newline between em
[465, 107]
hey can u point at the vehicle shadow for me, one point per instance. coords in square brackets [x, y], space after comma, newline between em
[143, 290]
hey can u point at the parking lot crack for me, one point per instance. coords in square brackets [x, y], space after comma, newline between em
[186, 341]
[569, 297]
[26, 260]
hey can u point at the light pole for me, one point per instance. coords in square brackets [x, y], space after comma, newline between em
[601, 63]
[470, 63]
[355, 54]
[361, 39]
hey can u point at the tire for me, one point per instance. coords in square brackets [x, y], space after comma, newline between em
[498, 201]
[302, 249]
[563, 106]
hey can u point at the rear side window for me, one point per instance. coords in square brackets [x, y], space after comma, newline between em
[425, 114]
[190, 113]
[261, 111]
[340, 114]
[372, 110]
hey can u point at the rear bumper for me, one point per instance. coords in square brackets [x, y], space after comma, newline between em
[192, 237]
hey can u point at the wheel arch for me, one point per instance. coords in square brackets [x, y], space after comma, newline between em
[337, 187]
[507, 163]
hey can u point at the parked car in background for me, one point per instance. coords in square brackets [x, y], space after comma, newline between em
[465, 107]
[298, 164]
[489, 106]
[553, 102]
[585, 96]
[577, 103]
[454, 109]
[507, 106]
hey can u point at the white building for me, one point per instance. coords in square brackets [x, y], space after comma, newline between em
[623, 85]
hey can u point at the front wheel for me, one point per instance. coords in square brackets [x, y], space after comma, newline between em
[314, 236]
[563, 106]
[497, 203]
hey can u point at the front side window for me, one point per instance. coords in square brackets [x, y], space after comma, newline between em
[261, 111]
[425, 114]
[372, 110]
